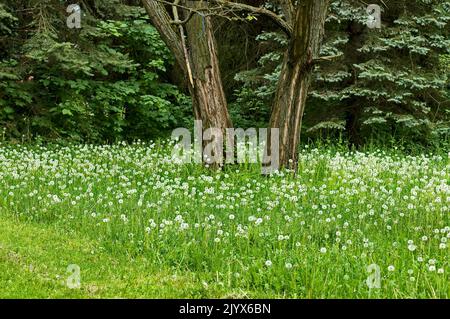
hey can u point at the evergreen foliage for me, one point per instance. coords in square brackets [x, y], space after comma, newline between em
[391, 82]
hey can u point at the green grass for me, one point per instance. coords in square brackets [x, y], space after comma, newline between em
[34, 260]
[140, 226]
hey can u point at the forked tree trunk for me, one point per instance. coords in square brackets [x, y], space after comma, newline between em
[295, 78]
[197, 56]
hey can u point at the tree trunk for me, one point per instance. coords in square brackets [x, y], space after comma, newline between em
[295, 78]
[354, 104]
[208, 97]
[197, 56]
[353, 123]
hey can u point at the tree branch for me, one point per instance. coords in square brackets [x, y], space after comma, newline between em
[328, 58]
[186, 20]
[287, 28]
[224, 8]
[183, 42]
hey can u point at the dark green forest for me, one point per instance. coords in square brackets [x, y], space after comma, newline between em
[225, 149]
[114, 78]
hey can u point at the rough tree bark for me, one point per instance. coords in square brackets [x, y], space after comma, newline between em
[197, 56]
[308, 19]
[303, 21]
[208, 96]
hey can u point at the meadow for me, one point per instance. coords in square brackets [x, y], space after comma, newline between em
[134, 224]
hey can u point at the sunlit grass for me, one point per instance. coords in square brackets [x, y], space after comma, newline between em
[140, 226]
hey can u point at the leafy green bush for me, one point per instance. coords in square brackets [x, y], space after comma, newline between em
[104, 82]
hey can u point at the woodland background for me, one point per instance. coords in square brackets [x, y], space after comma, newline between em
[114, 79]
